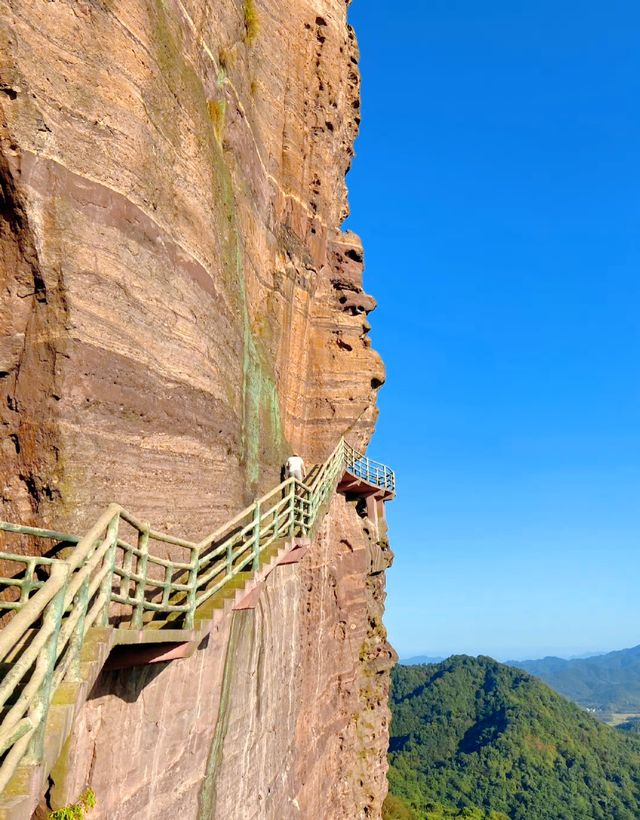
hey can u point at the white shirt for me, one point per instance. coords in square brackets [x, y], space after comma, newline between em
[295, 465]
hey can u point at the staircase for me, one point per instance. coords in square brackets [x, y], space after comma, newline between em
[113, 598]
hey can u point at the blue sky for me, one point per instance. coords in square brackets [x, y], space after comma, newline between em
[497, 191]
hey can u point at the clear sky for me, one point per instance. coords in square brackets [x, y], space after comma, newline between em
[497, 190]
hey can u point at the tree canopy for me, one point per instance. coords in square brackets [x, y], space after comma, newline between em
[476, 735]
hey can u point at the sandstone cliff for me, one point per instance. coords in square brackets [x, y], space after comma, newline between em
[179, 309]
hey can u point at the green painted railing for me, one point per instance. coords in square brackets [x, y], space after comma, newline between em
[116, 576]
[373, 472]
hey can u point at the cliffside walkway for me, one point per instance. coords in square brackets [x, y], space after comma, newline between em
[117, 596]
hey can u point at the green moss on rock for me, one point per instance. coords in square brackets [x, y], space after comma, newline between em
[251, 22]
[77, 810]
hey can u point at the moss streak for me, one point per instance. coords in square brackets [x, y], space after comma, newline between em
[261, 427]
[208, 796]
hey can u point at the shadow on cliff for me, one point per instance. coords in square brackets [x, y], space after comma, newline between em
[126, 684]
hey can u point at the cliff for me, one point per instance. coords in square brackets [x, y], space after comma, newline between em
[179, 300]
[180, 309]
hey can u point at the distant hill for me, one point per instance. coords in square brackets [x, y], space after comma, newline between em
[471, 733]
[631, 725]
[610, 683]
[421, 659]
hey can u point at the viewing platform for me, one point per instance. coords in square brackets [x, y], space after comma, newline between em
[368, 479]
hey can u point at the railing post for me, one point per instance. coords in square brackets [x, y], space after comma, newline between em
[27, 585]
[110, 560]
[141, 572]
[306, 510]
[189, 620]
[127, 566]
[81, 602]
[256, 537]
[229, 557]
[52, 616]
[314, 505]
[292, 508]
[166, 591]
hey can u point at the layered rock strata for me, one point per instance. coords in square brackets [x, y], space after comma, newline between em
[179, 302]
[179, 309]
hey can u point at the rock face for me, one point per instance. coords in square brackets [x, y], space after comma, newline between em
[179, 309]
[179, 300]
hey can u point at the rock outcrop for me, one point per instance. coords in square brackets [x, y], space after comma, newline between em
[179, 309]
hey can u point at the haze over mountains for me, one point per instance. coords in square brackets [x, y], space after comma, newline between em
[422, 659]
[608, 683]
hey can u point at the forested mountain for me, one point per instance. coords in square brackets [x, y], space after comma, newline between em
[608, 682]
[421, 659]
[473, 733]
[630, 725]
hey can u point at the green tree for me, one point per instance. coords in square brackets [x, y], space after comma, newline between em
[473, 735]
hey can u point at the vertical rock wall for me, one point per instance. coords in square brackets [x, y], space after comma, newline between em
[179, 308]
[179, 303]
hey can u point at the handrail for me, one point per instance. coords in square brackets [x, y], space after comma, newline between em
[32, 610]
[22, 727]
[109, 581]
[373, 472]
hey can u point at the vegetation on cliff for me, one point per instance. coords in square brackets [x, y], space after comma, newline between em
[251, 21]
[77, 810]
[475, 735]
[395, 808]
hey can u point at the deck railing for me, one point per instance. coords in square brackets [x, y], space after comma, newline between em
[373, 472]
[115, 576]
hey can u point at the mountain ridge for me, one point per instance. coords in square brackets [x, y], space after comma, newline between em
[475, 734]
[608, 682]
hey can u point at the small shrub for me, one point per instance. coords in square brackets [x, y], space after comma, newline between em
[217, 110]
[251, 22]
[394, 808]
[76, 811]
[73, 812]
[223, 59]
[226, 59]
[89, 799]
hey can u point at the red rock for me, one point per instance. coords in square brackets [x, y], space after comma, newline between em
[179, 310]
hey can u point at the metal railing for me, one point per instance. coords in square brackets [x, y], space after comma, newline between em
[114, 576]
[373, 472]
